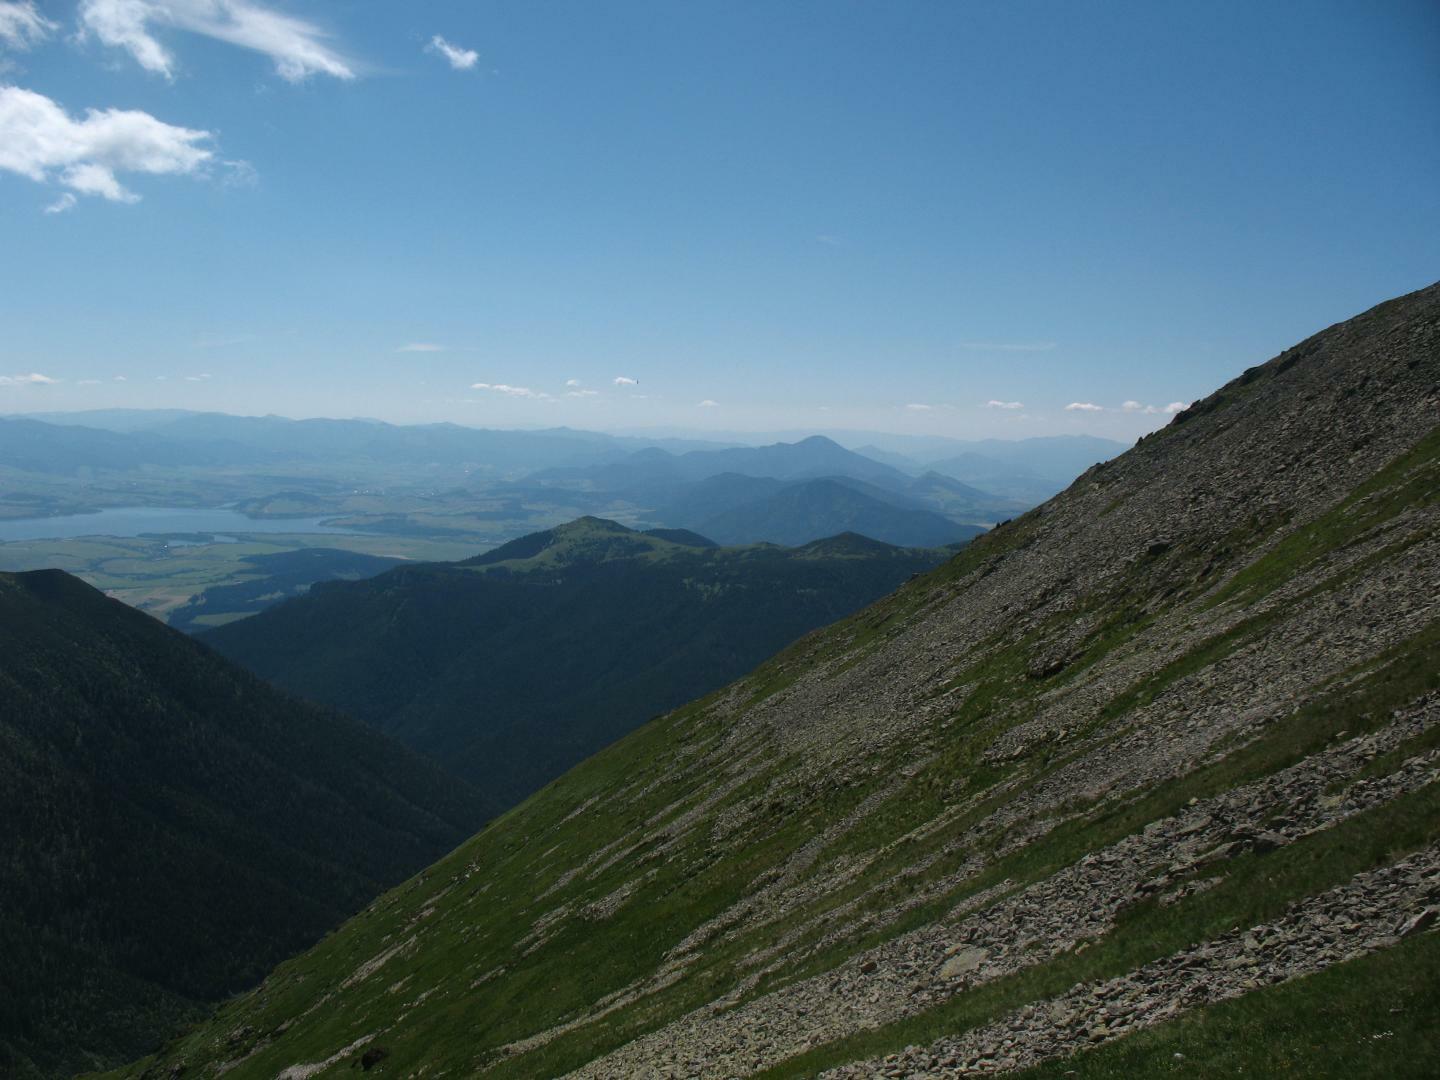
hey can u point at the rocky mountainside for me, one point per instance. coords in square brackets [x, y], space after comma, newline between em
[172, 826]
[1141, 782]
[513, 666]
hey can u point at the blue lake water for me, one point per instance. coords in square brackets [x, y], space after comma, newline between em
[139, 520]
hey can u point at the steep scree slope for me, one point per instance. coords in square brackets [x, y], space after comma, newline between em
[1166, 745]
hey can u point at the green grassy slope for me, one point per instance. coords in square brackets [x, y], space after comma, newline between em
[1183, 718]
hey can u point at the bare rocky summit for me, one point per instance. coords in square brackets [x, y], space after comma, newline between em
[1170, 740]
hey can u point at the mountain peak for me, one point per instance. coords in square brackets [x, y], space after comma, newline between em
[589, 524]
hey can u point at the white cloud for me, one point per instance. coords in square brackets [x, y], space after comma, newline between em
[993, 404]
[708, 404]
[40, 141]
[510, 391]
[460, 59]
[919, 408]
[239, 174]
[90, 179]
[1176, 406]
[1084, 406]
[1151, 410]
[21, 26]
[197, 378]
[297, 47]
[120, 378]
[60, 205]
[581, 393]
[34, 378]
[573, 383]
[421, 346]
[1008, 346]
[621, 380]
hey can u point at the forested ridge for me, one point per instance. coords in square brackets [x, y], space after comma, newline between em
[173, 826]
[513, 666]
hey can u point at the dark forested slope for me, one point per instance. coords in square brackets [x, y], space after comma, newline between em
[172, 826]
[513, 666]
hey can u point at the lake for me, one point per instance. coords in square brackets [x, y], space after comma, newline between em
[140, 520]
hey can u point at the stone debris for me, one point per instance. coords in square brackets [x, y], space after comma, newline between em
[1322, 931]
[1076, 905]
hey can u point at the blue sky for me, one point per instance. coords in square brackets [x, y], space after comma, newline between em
[899, 216]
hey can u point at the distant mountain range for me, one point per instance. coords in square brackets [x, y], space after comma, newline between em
[173, 827]
[123, 439]
[512, 666]
[33, 446]
[1054, 460]
[799, 513]
[807, 459]
[448, 482]
[790, 493]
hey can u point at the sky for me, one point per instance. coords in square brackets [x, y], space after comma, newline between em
[959, 218]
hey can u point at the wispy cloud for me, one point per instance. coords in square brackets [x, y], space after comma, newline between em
[994, 404]
[198, 378]
[34, 378]
[41, 142]
[829, 240]
[88, 382]
[1084, 406]
[917, 407]
[1008, 346]
[708, 404]
[1151, 410]
[63, 203]
[21, 25]
[510, 391]
[421, 346]
[119, 378]
[576, 388]
[298, 48]
[621, 380]
[459, 59]
[239, 174]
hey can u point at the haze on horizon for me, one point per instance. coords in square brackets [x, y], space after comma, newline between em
[964, 220]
